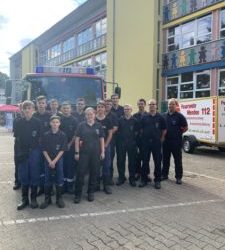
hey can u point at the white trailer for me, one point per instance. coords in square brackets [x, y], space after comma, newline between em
[206, 123]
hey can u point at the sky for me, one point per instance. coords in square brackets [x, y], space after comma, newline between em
[22, 21]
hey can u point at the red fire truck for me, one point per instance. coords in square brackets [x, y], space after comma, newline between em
[66, 84]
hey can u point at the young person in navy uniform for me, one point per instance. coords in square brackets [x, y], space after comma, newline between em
[127, 134]
[153, 129]
[68, 126]
[79, 113]
[28, 133]
[107, 129]
[139, 115]
[17, 183]
[54, 108]
[89, 149]
[114, 120]
[176, 126]
[54, 144]
[44, 118]
[118, 110]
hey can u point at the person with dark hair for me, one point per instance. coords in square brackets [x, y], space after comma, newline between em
[54, 108]
[68, 126]
[139, 115]
[28, 134]
[107, 129]
[19, 116]
[80, 107]
[44, 118]
[118, 110]
[54, 144]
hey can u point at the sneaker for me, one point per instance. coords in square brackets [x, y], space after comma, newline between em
[120, 182]
[107, 189]
[133, 183]
[157, 185]
[137, 177]
[179, 181]
[77, 199]
[142, 184]
[16, 186]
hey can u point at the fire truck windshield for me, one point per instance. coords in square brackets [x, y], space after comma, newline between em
[66, 88]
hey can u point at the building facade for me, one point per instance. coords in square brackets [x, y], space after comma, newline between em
[121, 40]
[193, 63]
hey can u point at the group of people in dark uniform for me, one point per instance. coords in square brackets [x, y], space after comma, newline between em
[61, 147]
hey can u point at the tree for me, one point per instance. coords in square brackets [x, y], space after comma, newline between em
[3, 78]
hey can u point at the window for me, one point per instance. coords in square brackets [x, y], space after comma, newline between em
[221, 83]
[55, 51]
[100, 63]
[222, 23]
[190, 33]
[85, 63]
[203, 84]
[172, 87]
[173, 38]
[189, 85]
[186, 85]
[204, 29]
[101, 27]
[85, 36]
[68, 44]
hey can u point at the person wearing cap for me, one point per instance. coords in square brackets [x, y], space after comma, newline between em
[108, 130]
[89, 150]
[176, 126]
[153, 130]
[54, 143]
[128, 130]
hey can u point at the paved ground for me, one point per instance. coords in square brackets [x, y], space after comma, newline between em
[190, 216]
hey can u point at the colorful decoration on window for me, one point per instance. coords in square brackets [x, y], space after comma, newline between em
[179, 8]
[200, 54]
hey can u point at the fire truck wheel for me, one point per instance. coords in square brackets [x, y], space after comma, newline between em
[189, 145]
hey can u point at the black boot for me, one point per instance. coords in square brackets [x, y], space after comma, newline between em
[16, 186]
[59, 201]
[33, 197]
[107, 188]
[48, 199]
[41, 191]
[25, 200]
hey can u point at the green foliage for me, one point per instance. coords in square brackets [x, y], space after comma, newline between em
[3, 78]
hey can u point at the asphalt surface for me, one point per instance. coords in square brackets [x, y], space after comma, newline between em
[188, 216]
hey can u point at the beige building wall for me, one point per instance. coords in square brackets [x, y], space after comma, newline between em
[28, 59]
[132, 35]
